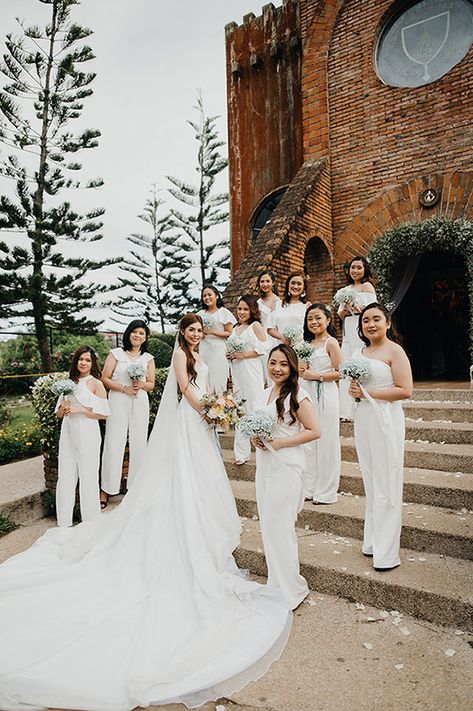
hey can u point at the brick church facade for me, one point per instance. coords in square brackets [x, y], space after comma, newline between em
[326, 155]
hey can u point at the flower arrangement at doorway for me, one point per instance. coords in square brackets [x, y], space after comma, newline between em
[438, 234]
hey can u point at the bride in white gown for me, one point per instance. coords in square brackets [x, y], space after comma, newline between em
[145, 604]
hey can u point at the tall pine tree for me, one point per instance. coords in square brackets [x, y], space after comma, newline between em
[44, 94]
[205, 208]
[156, 282]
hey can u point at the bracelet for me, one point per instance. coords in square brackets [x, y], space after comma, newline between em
[123, 389]
[321, 378]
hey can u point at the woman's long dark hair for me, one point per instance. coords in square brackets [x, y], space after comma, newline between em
[286, 299]
[215, 291]
[291, 385]
[186, 321]
[137, 323]
[308, 335]
[367, 276]
[267, 272]
[74, 370]
[391, 333]
[252, 304]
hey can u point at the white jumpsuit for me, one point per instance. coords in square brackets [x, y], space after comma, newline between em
[350, 343]
[280, 497]
[379, 440]
[79, 456]
[248, 382]
[322, 476]
[128, 415]
[213, 350]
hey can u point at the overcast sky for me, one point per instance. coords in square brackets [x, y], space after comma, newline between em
[152, 56]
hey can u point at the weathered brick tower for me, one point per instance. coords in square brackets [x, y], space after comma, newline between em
[342, 114]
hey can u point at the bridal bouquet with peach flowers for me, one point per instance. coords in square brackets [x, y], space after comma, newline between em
[224, 409]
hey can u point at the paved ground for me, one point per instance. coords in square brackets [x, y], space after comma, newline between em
[343, 656]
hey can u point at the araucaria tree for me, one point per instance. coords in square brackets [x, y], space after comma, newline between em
[156, 281]
[44, 94]
[205, 208]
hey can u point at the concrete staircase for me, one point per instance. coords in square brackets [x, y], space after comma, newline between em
[435, 580]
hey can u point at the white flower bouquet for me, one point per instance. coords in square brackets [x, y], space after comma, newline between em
[235, 344]
[64, 387]
[224, 409]
[257, 424]
[357, 369]
[208, 321]
[136, 371]
[293, 335]
[344, 296]
[304, 352]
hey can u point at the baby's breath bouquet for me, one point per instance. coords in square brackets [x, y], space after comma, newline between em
[136, 371]
[293, 335]
[224, 409]
[236, 344]
[304, 352]
[344, 296]
[357, 369]
[257, 424]
[64, 387]
[208, 321]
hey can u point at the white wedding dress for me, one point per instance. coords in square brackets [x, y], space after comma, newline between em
[144, 605]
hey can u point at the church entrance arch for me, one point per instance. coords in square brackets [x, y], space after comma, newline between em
[425, 271]
[318, 267]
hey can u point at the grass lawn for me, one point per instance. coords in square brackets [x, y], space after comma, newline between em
[21, 411]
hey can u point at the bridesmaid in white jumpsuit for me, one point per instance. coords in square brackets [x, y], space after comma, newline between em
[322, 476]
[79, 442]
[212, 348]
[359, 279]
[290, 312]
[129, 407]
[279, 472]
[379, 435]
[247, 366]
[267, 302]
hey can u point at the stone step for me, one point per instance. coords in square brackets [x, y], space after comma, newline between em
[431, 587]
[21, 487]
[420, 455]
[425, 455]
[450, 395]
[453, 433]
[421, 486]
[425, 528]
[441, 412]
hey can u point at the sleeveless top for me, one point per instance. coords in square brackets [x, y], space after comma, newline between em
[289, 316]
[120, 374]
[266, 312]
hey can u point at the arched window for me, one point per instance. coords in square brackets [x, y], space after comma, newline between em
[423, 40]
[318, 267]
[264, 211]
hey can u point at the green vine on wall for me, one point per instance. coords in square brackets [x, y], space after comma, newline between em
[437, 234]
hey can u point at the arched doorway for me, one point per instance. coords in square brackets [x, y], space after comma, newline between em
[318, 267]
[425, 269]
[433, 317]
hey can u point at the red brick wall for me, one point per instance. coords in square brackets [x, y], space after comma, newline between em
[382, 136]
[264, 112]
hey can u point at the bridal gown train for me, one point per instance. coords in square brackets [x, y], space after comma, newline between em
[144, 604]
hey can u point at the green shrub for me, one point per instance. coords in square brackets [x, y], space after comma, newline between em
[44, 402]
[156, 394]
[5, 415]
[160, 347]
[19, 443]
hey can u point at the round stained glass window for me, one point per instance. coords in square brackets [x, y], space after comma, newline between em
[424, 41]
